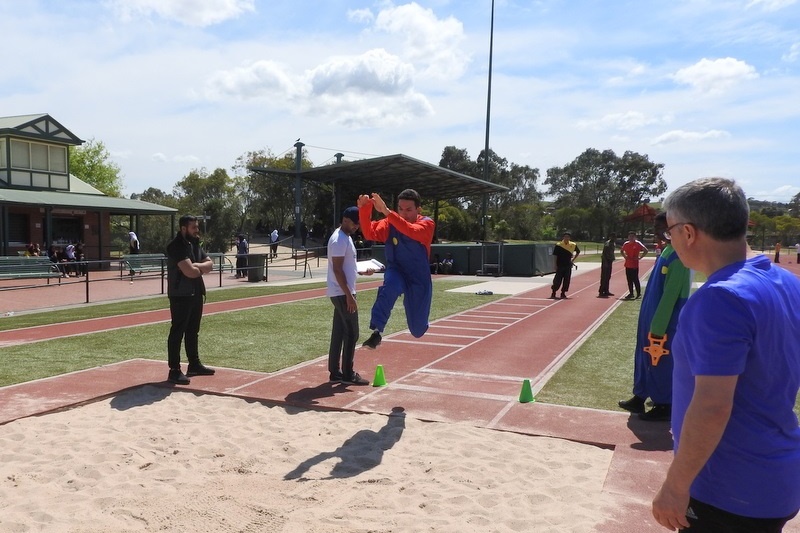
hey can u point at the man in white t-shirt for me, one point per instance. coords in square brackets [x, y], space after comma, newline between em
[342, 273]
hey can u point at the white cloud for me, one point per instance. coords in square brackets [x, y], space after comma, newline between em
[360, 15]
[375, 71]
[675, 136]
[199, 13]
[629, 120]
[715, 76]
[433, 43]
[373, 89]
[771, 5]
[159, 157]
[793, 54]
[258, 80]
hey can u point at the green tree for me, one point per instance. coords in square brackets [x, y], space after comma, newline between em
[92, 163]
[155, 231]
[268, 201]
[519, 209]
[213, 197]
[608, 185]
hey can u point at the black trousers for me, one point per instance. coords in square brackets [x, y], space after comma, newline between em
[344, 334]
[562, 278]
[186, 312]
[710, 519]
[632, 275]
[605, 277]
[241, 265]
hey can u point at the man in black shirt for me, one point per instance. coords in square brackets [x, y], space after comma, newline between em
[186, 264]
[607, 259]
[563, 251]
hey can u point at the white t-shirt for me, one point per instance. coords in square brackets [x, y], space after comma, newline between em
[341, 245]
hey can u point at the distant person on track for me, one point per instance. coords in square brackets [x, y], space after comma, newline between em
[633, 251]
[607, 259]
[565, 252]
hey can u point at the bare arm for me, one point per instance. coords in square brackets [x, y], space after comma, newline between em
[341, 279]
[195, 270]
[703, 426]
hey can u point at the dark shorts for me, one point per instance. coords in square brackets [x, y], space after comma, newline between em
[704, 518]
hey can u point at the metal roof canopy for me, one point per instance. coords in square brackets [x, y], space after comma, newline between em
[392, 174]
[93, 202]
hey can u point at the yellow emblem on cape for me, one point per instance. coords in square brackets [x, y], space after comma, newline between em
[664, 270]
[394, 241]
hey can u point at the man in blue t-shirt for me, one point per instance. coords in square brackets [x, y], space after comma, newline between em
[736, 374]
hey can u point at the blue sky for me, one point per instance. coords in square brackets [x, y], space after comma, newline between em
[708, 88]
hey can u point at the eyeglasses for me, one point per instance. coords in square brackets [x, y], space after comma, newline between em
[668, 232]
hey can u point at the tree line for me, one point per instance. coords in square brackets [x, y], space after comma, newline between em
[590, 196]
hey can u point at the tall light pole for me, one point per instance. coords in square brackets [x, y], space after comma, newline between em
[485, 202]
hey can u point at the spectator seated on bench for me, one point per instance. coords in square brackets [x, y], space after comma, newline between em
[17, 267]
[446, 265]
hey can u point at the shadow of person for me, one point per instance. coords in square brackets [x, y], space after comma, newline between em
[310, 395]
[653, 436]
[139, 396]
[361, 452]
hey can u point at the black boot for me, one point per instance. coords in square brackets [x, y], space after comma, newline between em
[661, 412]
[634, 405]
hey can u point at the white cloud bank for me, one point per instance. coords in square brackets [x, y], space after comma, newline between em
[715, 75]
[199, 13]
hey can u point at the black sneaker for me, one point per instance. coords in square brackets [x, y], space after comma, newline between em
[177, 377]
[564, 296]
[634, 405]
[336, 377]
[373, 341]
[629, 297]
[355, 379]
[609, 294]
[659, 413]
[553, 295]
[197, 369]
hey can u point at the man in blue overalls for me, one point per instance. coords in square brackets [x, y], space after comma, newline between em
[407, 236]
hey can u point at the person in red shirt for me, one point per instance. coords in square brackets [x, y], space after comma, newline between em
[407, 236]
[632, 251]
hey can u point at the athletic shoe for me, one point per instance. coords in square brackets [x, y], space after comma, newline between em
[177, 377]
[659, 413]
[355, 379]
[564, 296]
[336, 377]
[634, 405]
[629, 297]
[553, 295]
[373, 341]
[197, 369]
[609, 294]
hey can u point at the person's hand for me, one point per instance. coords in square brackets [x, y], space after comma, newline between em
[352, 306]
[363, 200]
[669, 508]
[379, 204]
[368, 272]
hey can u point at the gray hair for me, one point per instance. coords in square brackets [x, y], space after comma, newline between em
[716, 206]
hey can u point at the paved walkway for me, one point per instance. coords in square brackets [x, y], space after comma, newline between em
[468, 368]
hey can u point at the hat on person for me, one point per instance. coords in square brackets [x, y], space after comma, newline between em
[351, 213]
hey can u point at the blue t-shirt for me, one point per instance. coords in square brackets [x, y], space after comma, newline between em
[745, 321]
